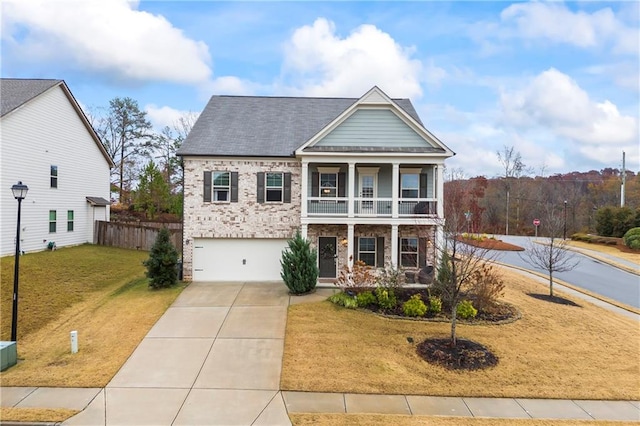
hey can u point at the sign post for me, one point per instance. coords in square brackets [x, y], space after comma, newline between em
[536, 223]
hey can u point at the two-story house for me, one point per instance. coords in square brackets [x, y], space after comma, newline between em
[362, 179]
[48, 144]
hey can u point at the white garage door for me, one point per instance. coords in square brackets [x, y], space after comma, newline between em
[217, 259]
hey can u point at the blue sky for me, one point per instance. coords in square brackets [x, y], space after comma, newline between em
[558, 81]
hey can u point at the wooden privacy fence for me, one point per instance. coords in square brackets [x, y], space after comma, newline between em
[135, 236]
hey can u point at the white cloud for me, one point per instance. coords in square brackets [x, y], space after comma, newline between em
[105, 36]
[555, 22]
[321, 63]
[230, 85]
[555, 104]
[165, 115]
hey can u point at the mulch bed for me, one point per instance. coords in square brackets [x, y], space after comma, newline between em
[466, 355]
[491, 244]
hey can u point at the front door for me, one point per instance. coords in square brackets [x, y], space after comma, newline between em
[327, 256]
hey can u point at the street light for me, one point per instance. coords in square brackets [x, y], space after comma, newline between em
[564, 232]
[19, 193]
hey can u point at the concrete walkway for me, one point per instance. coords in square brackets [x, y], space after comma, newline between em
[215, 357]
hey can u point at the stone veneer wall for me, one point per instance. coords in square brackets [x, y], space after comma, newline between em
[340, 231]
[245, 219]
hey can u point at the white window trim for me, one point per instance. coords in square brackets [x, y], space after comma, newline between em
[417, 252]
[220, 187]
[320, 187]
[329, 170]
[375, 250]
[267, 187]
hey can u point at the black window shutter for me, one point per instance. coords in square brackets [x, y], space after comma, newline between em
[260, 188]
[207, 188]
[380, 252]
[422, 252]
[286, 196]
[315, 183]
[399, 252]
[234, 187]
[342, 181]
[355, 249]
[423, 185]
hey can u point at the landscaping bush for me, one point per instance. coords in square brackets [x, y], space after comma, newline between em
[615, 221]
[632, 238]
[344, 299]
[414, 307]
[386, 297]
[299, 268]
[435, 305]
[366, 298]
[361, 275]
[465, 310]
[390, 276]
[486, 286]
[162, 264]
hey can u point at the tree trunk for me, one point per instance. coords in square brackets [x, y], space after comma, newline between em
[551, 283]
[121, 174]
[454, 312]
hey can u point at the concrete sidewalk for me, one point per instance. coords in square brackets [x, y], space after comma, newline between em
[215, 356]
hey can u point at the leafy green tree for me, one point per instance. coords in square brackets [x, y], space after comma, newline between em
[604, 221]
[299, 268]
[162, 263]
[125, 133]
[152, 195]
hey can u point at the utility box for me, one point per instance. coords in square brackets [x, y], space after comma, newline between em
[8, 355]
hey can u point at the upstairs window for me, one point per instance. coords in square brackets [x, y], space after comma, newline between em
[54, 177]
[274, 187]
[52, 221]
[329, 185]
[220, 187]
[69, 220]
[409, 185]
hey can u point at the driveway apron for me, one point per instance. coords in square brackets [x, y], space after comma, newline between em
[213, 358]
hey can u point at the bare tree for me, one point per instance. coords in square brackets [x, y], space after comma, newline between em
[513, 168]
[552, 255]
[458, 260]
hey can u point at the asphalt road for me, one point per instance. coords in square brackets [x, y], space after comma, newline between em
[589, 274]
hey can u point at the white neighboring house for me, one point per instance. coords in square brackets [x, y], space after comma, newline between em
[362, 179]
[47, 143]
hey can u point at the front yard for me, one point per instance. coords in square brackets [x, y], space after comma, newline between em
[553, 351]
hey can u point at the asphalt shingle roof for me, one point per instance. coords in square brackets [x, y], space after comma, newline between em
[257, 126]
[15, 92]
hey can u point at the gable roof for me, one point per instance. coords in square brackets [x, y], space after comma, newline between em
[255, 126]
[16, 92]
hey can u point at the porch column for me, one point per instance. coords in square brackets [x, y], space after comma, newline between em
[304, 188]
[394, 246]
[351, 190]
[395, 189]
[439, 244]
[304, 230]
[440, 190]
[350, 236]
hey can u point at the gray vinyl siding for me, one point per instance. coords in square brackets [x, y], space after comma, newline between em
[374, 128]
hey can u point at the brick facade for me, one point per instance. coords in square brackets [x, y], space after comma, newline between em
[243, 219]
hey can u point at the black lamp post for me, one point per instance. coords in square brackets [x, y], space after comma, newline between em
[19, 193]
[564, 232]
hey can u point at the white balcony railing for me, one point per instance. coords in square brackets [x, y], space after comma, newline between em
[372, 207]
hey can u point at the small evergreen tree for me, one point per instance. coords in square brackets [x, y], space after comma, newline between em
[299, 268]
[162, 263]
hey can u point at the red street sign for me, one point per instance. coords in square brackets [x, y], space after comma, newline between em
[536, 222]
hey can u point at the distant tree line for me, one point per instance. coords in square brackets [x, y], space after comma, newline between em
[509, 203]
[147, 176]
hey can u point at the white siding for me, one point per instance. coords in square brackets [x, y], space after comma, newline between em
[44, 132]
[374, 128]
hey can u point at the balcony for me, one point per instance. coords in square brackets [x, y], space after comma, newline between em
[371, 207]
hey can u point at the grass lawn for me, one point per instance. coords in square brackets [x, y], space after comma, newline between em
[553, 351]
[101, 292]
[399, 420]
